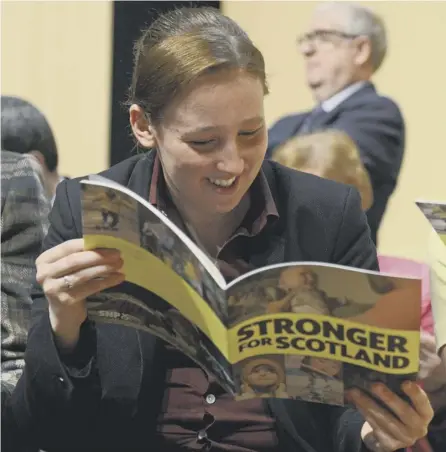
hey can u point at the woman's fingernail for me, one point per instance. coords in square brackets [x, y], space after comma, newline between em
[108, 250]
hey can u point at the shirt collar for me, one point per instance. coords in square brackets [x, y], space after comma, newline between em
[337, 99]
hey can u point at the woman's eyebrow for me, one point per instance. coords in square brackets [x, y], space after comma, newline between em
[254, 119]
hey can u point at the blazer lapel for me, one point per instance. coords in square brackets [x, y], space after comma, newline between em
[297, 123]
[266, 251]
[314, 121]
[330, 116]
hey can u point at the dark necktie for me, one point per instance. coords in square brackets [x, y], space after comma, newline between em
[312, 121]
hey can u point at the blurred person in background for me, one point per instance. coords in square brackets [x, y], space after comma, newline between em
[331, 154]
[25, 130]
[344, 47]
[24, 223]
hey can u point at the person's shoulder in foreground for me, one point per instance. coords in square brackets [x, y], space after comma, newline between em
[14, 164]
[24, 221]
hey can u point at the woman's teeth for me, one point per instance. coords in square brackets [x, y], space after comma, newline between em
[223, 182]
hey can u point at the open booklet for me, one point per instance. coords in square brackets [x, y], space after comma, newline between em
[300, 330]
[435, 213]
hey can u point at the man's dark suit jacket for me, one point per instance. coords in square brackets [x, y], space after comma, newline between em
[376, 125]
[113, 402]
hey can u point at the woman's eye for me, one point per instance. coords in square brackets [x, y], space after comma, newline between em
[200, 142]
[249, 133]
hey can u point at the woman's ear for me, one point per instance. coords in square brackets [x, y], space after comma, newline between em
[141, 128]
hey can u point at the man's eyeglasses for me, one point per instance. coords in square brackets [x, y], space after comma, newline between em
[321, 36]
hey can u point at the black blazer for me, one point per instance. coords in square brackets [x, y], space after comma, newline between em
[112, 404]
[376, 125]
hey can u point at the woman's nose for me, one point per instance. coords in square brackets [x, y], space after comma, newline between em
[230, 160]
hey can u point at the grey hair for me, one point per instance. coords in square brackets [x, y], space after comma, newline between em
[363, 21]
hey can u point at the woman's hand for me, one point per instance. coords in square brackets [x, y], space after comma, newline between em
[382, 431]
[432, 372]
[68, 275]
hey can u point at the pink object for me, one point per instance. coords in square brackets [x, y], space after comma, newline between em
[399, 266]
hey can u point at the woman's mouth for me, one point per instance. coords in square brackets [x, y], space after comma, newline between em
[227, 187]
[223, 183]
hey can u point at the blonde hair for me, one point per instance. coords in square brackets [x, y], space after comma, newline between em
[331, 154]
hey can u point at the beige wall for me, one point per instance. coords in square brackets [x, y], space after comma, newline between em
[414, 75]
[57, 55]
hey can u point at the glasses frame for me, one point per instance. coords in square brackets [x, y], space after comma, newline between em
[324, 36]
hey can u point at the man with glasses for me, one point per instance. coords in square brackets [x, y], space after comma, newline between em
[345, 45]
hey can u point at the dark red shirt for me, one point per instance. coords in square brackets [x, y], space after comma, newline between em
[198, 414]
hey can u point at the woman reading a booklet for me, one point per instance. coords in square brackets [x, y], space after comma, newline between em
[196, 102]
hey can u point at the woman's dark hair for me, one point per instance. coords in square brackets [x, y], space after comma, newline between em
[25, 129]
[182, 45]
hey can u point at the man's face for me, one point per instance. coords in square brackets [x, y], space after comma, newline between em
[330, 54]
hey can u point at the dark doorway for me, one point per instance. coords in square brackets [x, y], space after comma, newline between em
[130, 17]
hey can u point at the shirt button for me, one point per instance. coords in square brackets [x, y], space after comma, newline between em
[210, 399]
[202, 435]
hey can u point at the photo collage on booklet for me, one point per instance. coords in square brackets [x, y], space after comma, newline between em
[367, 299]
[293, 376]
[436, 214]
[157, 238]
[108, 211]
[168, 324]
